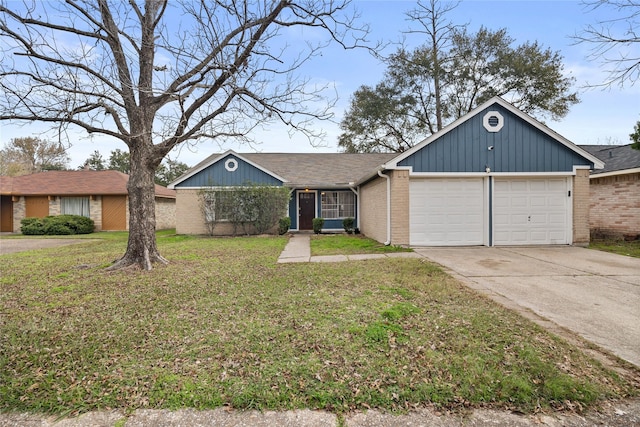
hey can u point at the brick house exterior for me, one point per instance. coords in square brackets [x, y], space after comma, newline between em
[615, 192]
[104, 192]
[494, 177]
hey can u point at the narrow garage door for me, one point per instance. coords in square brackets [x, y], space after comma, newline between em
[531, 211]
[446, 212]
[114, 212]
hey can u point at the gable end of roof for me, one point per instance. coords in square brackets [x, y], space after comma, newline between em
[598, 164]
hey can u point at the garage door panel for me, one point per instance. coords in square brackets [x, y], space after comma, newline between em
[516, 201]
[446, 212]
[531, 211]
[538, 201]
[557, 219]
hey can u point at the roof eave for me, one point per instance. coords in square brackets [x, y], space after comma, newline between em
[614, 173]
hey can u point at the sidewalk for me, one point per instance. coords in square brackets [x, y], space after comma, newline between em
[299, 250]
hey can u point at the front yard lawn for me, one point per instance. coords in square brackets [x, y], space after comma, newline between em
[349, 244]
[224, 324]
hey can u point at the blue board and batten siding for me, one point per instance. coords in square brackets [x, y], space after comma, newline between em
[517, 147]
[217, 175]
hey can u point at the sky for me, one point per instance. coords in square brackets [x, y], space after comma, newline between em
[604, 116]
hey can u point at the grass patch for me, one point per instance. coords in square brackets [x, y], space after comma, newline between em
[345, 244]
[117, 236]
[224, 324]
[619, 247]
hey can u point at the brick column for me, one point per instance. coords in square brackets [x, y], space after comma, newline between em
[400, 207]
[581, 203]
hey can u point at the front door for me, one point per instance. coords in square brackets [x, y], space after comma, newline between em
[6, 213]
[306, 210]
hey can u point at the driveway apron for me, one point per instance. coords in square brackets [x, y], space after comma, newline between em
[594, 294]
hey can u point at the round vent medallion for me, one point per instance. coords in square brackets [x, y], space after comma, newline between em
[231, 165]
[493, 121]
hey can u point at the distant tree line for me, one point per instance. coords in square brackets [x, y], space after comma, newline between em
[27, 155]
[168, 171]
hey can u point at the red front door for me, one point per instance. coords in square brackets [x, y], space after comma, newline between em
[306, 210]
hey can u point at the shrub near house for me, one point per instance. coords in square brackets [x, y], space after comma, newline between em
[57, 225]
[254, 209]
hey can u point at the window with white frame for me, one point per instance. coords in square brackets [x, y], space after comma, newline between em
[338, 204]
[74, 206]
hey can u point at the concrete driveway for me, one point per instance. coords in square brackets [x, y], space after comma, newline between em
[9, 246]
[594, 294]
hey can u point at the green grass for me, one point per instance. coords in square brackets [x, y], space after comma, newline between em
[345, 244]
[224, 324]
[619, 247]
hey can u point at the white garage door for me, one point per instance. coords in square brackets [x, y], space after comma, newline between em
[446, 212]
[531, 211]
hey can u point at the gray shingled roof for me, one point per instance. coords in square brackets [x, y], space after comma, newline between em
[314, 169]
[615, 157]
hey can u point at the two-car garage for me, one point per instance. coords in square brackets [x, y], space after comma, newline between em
[490, 211]
[494, 177]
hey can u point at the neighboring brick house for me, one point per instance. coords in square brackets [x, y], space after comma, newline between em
[493, 177]
[99, 195]
[615, 192]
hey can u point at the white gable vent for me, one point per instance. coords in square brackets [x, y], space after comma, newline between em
[231, 164]
[493, 121]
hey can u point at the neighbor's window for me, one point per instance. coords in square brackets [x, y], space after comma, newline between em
[74, 206]
[338, 204]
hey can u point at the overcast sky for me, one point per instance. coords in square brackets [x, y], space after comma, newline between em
[602, 116]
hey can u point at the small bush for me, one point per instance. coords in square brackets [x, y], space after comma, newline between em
[32, 226]
[348, 224]
[57, 225]
[283, 225]
[56, 228]
[76, 223]
[318, 223]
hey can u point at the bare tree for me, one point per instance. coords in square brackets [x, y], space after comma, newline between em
[159, 73]
[430, 18]
[615, 42]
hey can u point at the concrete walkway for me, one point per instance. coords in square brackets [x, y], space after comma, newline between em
[299, 250]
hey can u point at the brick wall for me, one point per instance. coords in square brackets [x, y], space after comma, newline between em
[19, 213]
[581, 207]
[189, 217]
[373, 209]
[95, 211]
[54, 206]
[400, 208]
[615, 205]
[165, 213]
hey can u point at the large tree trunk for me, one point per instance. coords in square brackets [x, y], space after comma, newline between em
[142, 249]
